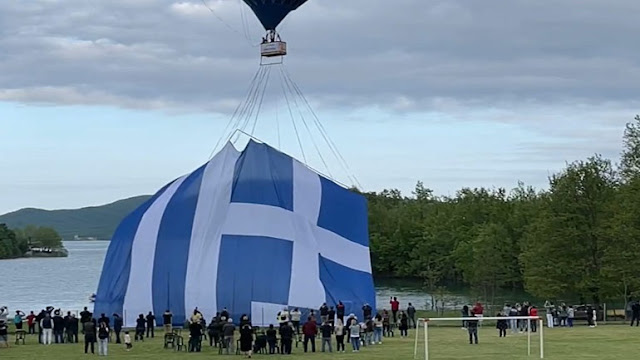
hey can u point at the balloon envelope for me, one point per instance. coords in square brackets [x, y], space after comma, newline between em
[272, 12]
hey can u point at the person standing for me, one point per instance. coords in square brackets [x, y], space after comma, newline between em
[472, 328]
[227, 331]
[326, 329]
[89, 328]
[117, 327]
[47, 326]
[635, 313]
[58, 327]
[31, 321]
[103, 339]
[501, 325]
[411, 313]
[272, 339]
[548, 307]
[533, 311]
[324, 313]
[340, 311]
[140, 324]
[72, 329]
[246, 339]
[571, 314]
[18, 319]
[295, 319]
[339, 330]
[465, 313]
[286, 334]
[332, 316]
[377, 329]
[167, 318]
[151, 323]
[395, 306]
[310, 329]
[354, 335]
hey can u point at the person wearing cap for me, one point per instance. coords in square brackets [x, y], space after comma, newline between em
[227, 330]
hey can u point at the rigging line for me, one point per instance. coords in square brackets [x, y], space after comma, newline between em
[264, 91]
[245, 23]
[254, 98]
[313, 141]
[235, 113]
[324, 133]
[278, 126]
[227, 24]
[246, 104]
[294, 123]
[251, 106]
[326, 138]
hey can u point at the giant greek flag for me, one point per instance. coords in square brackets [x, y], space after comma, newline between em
[252, 231]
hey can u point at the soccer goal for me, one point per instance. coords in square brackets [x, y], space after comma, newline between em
[425, 324]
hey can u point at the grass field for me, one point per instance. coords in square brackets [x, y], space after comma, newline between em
[604, 342]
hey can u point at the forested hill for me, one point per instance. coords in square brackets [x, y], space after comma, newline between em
[95, 221]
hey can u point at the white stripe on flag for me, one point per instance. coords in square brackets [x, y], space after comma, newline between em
[139, 296]
[305, 288]
[204, 249]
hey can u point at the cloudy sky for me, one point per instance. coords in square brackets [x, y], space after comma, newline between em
[101, 100]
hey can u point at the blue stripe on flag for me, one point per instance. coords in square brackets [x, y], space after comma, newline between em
[114, 278]
[252, 268]
[172, 249]
[263, 176]
[344, 212]
[354, 288]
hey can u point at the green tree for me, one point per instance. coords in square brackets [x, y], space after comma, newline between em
[565, 246]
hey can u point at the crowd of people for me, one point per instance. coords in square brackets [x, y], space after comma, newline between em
[329, 324]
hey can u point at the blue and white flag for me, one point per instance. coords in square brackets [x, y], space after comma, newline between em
[253, 231]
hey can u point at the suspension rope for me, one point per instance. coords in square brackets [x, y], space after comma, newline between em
[323, 132]
[313, 141]
[235, 113]
[264, 91]
[251, 104]
[293, 121]
[245, 36]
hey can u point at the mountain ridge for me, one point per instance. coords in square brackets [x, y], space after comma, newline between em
[98, 221]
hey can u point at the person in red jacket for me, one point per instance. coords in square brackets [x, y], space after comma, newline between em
[478, 310]
[310, 329]
[31, 321]
[534, 323]
[395, 306]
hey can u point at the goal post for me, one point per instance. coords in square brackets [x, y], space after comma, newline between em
[424, 323]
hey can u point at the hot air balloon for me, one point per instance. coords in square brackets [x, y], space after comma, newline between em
[271, 13]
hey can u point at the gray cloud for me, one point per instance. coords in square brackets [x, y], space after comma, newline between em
[400, 55]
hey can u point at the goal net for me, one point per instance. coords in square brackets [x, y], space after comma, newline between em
[440, 336]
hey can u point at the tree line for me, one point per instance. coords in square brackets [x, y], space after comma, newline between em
[580, 238]
[14, 243]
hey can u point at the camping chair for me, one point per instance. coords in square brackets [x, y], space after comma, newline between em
[170, 340]
[180, 343]
[21, 335]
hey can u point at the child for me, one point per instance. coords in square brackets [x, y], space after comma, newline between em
[127, 340]
[501, 326]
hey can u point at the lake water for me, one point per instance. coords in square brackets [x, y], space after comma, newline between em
[67, 283]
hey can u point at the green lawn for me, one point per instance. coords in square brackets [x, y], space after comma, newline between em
[603, 342]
